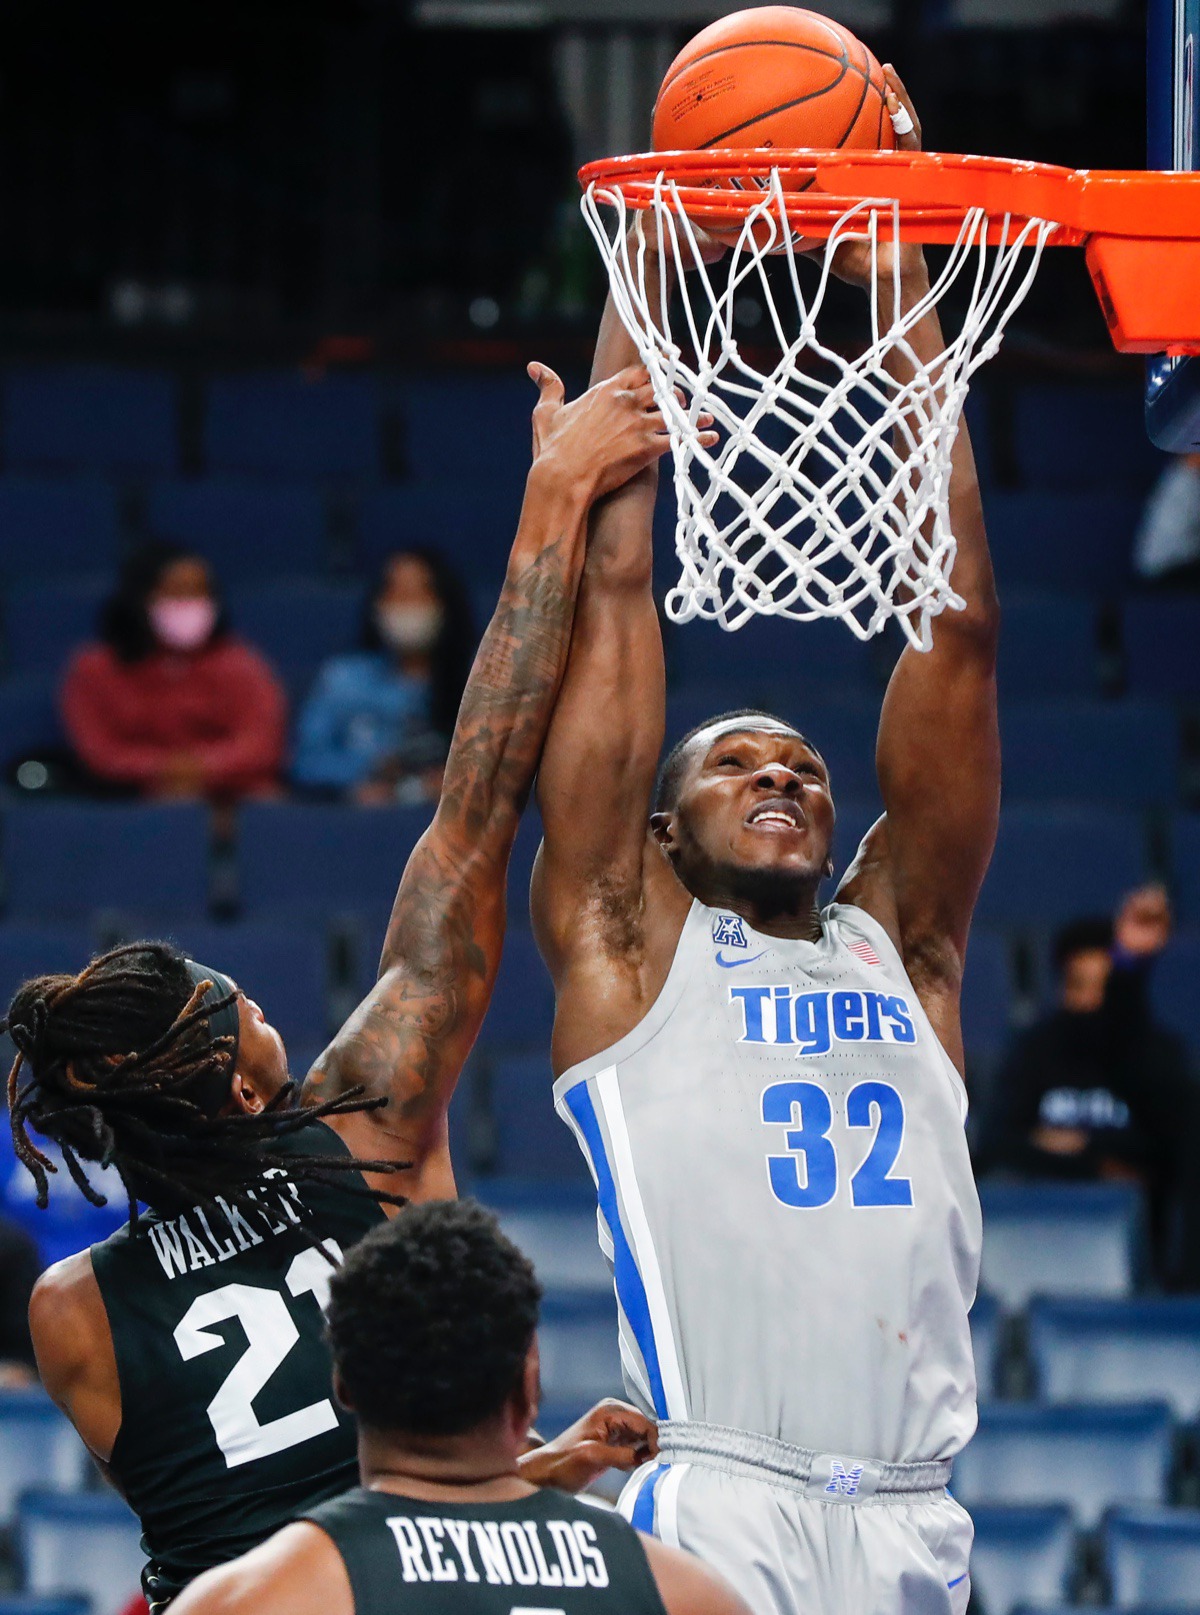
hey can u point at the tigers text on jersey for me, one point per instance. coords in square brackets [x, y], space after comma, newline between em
[229, 1426]
[545, 1554]
[786, 1196]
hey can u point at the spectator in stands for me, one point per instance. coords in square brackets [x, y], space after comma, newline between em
[1166, 551]
[170, 703]
[1096, 1090]
[377, 725]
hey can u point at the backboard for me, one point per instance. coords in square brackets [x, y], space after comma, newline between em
[1173, 141]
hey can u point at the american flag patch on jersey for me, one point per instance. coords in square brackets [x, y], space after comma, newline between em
[866, 953]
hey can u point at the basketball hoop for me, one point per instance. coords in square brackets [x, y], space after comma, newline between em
[827, 495]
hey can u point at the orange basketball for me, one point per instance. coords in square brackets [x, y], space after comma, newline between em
[775, 76]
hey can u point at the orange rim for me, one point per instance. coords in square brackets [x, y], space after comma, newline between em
[1141, 229]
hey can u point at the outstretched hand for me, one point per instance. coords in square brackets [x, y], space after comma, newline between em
[1142, 926]
[608, 434]
[612, 1436]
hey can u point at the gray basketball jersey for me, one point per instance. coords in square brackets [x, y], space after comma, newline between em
[785, 1194]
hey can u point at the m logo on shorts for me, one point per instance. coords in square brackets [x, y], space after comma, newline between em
[843, 1482]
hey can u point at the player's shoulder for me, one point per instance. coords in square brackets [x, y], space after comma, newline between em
[298, 1571]
[686, 1585]
[66, 1314]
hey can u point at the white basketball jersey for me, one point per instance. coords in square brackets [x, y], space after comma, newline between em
[785, 1194]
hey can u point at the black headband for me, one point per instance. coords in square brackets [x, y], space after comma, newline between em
[212, 1091]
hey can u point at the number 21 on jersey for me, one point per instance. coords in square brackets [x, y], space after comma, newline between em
[807, 1176]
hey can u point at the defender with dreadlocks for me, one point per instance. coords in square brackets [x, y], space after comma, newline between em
[187, 1349]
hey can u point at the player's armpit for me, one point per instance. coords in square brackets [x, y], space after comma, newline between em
[687, 1586]
[296, 1572]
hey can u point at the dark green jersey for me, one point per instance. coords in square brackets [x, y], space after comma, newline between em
[546, 1554]
[229, 1427]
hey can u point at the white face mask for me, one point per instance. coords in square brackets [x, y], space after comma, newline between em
[408, 629]
[183, 625]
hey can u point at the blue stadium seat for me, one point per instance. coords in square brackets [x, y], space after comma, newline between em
[38, 1447]
[555, 1225]
[530, 1140]
[1081, 435]
[33, 1604]
[1185, 865]
[1066, 750]
[787, 662]
[1153, 1555]
[1160, 637]
[28, 717]
[1173, 985]
[1047, 647]
[1090, 1457]
[1053, 863]
[475, 427]
[471, 523]
[299, 621]
[1059, 1239]
[90, 417]
[522, 1007]
[284, 968]
[280, 423]
[247, 530]
[987, 993]
[72, 858]
[1118, 1351]
[89, 1544]
[57, 529]
[986, 1325]
[1020, 1556]
[1078, 543]
[580, 1357]
[38, 950]
[307, 859]
[45, 622]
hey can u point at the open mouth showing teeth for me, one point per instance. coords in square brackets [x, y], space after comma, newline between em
[783, 815]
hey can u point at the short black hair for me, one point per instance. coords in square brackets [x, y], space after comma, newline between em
[1087, 935]
[670, 773]
[430, 1320]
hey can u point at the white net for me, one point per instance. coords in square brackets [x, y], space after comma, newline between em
[827, 493]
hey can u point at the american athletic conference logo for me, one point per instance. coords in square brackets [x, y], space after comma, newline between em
[728, 931]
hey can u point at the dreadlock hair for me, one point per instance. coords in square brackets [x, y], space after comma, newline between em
[110, 1065]
[671, 770]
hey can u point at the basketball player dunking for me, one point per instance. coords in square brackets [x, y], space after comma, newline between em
[769, 1092]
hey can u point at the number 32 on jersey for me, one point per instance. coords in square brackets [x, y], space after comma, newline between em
[807, 1176]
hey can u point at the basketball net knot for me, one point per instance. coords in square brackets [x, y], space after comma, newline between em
[828, 493]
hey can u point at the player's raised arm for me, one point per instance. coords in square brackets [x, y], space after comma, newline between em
[408, 1039]
[597, 773]
[938, 751]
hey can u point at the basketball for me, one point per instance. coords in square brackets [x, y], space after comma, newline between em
[775, 76]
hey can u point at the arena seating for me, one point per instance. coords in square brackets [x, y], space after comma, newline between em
[297, 487]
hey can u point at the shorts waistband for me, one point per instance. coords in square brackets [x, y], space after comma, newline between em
[830, 1477]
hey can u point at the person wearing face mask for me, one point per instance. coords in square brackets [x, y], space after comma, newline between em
[377, 723]
[170, 703]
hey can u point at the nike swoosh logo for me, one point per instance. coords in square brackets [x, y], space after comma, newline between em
[732, 964]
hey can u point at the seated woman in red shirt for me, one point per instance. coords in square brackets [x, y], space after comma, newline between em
[170, 703]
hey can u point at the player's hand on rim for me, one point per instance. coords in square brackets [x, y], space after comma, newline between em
[853, 260]
[607, 435]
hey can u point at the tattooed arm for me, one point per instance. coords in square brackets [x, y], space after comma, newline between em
[408, 1039]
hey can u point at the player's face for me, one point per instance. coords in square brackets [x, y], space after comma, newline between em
[262, 1059]
[756, 802]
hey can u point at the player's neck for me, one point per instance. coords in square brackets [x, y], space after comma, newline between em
[774, 907]
[475, 1467]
